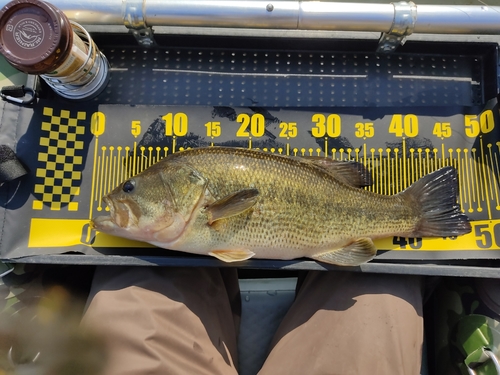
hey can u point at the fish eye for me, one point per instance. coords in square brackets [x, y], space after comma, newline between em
[128, 186]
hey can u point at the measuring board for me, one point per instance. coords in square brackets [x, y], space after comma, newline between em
[403, 115]
[76, 157]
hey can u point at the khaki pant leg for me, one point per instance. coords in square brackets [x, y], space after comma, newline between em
[351, 324]
[165, 320]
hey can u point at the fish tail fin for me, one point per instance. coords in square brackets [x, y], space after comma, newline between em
[441, 215]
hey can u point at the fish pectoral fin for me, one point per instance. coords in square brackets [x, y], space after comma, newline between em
[232, 204]
[230, 256]
[360, 251]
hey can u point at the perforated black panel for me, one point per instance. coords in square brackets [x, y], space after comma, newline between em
[232, 77]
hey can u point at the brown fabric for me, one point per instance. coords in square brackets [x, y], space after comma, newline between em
[184, 321]
[164, 320]
[351, 323]
[488, 291]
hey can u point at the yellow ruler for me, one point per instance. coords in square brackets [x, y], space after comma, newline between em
[398, 149]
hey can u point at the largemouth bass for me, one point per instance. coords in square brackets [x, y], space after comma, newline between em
[235, 204]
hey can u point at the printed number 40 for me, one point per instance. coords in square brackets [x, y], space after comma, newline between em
[404, 125]
[414, 243]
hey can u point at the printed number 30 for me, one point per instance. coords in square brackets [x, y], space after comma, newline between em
[330, 125]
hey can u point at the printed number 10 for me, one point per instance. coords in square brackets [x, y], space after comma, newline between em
[176, 124]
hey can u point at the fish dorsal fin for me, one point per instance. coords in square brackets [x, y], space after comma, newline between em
[349, 172]
[360, 251]
[230, 256]
[232, 204]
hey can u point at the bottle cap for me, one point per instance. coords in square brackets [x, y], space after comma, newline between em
[35, 36]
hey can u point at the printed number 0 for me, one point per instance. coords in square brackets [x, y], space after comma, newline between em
[98, 123]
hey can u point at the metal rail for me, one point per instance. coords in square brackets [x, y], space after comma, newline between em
[487, 271]
[283, 14]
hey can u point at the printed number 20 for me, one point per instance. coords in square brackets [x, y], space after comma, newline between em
[256, 123]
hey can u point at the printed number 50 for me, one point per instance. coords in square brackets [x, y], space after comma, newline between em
[474, 126]
[486, 234]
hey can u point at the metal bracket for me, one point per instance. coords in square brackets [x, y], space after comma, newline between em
[133, 19]
[486, 355]
[405, 17]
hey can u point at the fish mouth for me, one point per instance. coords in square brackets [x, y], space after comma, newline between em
[120, 215]
[125, 214]
[100, 223]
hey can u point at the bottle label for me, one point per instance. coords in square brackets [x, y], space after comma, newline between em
[75, 60]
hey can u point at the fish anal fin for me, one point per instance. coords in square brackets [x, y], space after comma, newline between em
[360, 251]
[232, 204]
[230, 256]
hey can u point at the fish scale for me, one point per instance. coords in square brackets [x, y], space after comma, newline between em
[268, 224]
[239, 203]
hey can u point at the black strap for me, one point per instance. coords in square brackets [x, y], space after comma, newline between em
[10, 166]
[18, 94]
